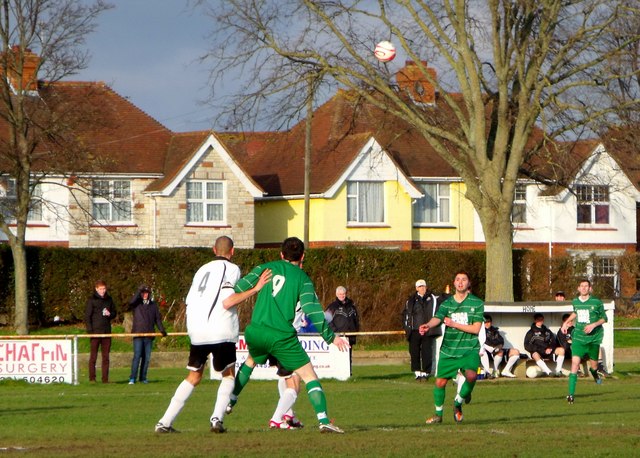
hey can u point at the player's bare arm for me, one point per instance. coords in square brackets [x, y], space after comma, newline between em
[236, 298]
[432, 323]
[473, 328]
[590, 327]
[565, 325]
[342, 344]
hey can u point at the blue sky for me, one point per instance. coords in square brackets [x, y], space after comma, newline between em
[147, 51]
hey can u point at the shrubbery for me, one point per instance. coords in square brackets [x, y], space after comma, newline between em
[379, 281]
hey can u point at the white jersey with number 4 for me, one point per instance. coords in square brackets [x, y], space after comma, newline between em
[207, 320]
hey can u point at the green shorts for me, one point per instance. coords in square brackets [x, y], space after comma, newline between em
[285, 347]
[448, 366]
[592, 350]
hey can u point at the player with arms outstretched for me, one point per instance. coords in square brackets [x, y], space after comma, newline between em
[462, 315]
[587, 336]
[271, 331]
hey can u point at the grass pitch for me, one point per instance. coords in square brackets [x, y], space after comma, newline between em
[382, 410]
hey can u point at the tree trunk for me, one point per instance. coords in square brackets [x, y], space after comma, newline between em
[499, 261]
[21, 318]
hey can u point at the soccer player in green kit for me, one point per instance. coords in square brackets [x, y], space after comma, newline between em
[271, 330]
[587, 335]
[463, 316]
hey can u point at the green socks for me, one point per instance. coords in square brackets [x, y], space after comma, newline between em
[318, 401]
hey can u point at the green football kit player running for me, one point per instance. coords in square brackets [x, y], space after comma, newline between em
[463, 317]
[271, 331]
[587, 335]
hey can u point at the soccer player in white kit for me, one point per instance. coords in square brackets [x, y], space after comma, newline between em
[213, 329]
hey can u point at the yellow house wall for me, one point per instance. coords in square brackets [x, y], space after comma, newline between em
[276, 220]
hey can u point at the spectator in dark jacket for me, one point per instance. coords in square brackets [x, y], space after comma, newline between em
[98, 314]
[343, 314]
[564, 340]
[420, 307]
[540, 342]
[146, 315]
[343, 317]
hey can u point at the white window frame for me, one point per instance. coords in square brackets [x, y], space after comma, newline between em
[593, 270]
[112, 197]
[206, 203]
[356, 203]
[519, 205]
[441, 203]
[592, 198]
[8, 193]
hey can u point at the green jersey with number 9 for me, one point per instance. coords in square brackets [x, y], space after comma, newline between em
[276, 303]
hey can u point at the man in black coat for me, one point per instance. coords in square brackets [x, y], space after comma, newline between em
[540, 342]
[98, 314]
[420, 308]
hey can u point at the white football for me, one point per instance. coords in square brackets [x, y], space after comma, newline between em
[533, 371]
[385, 51]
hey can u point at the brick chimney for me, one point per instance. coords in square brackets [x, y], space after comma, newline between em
[30, 62]
[413, 82]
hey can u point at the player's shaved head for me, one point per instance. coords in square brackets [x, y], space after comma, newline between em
[223, 246]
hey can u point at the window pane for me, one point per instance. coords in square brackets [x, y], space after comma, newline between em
[194, 212]
[519, 213]
[370, 202]
[444, 210]
[122, 211]
[214, 212]
[101, 211]
[101, 189]
[121, 190]
[584, 214]
[602, 214]
[214, 191]
[352, 209]
[194, 190]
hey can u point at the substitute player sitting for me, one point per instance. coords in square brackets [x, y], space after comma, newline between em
[462, 315]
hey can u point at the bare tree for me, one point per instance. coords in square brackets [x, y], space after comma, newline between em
[521, 67]
[40, 39]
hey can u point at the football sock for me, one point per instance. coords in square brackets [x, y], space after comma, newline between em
[594, 373]
[286, 401]
[465, 391]
[223, 397]
[181, 395]
[496, 362]
[512, 360]
[485, 362]
[242, 378]
[542, 365]
[573, 381]
[559, 362]
[318, 400]
[438, 399]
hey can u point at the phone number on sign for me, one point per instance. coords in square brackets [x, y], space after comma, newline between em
[37, 379]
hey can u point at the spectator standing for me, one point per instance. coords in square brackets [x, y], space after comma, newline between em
[419, 308]
[540, 342]
[146, 316]
[560, 296]
[99, 313]
[343, 317]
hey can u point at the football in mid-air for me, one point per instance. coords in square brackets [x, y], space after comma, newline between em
[533, 371]
[385, 51]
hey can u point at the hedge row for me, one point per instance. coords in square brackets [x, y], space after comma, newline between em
[379, 281]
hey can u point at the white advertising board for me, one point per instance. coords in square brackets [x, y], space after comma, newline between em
[37, 361]
[327, 360]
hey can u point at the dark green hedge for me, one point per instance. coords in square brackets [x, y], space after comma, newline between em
[379, 281]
